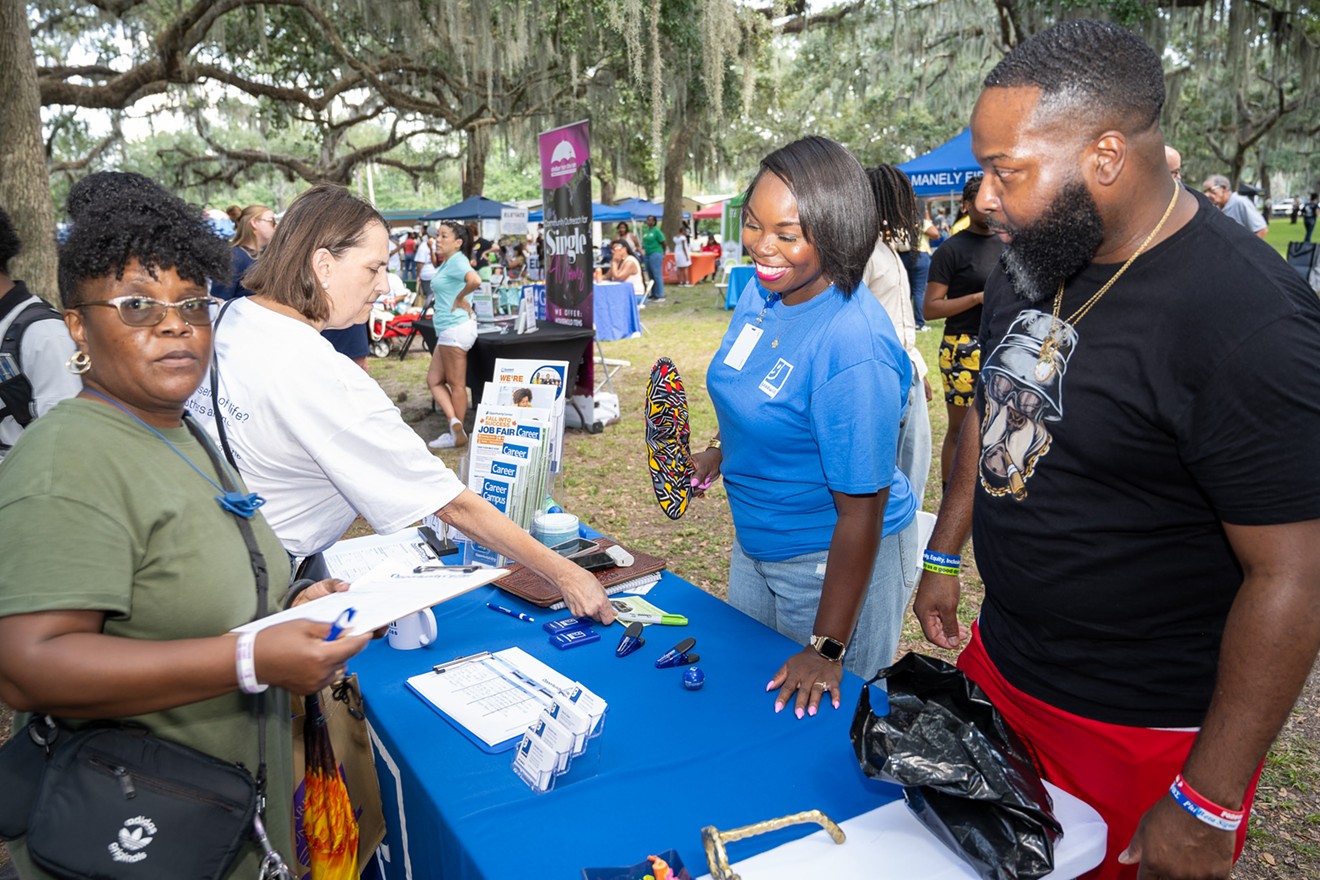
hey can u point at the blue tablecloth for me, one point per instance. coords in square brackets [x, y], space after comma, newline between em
[739, 278]
[671, 761]
[615, 311]
[614, 305]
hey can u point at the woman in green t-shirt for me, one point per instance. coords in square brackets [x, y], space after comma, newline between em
[455, 329]
[123, 571]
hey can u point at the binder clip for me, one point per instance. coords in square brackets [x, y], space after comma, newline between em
[632, 640]
[678, 655]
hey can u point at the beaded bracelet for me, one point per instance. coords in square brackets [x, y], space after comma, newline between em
[1203, 808]
[245, 661]
[941, 563]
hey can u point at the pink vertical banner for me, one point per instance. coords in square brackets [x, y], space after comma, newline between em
[569, 252]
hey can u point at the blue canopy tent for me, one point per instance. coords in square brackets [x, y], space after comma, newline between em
[599, 214]
[640, 208]
[471, 208]
[945, 170]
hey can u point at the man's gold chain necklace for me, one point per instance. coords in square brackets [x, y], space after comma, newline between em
[1045, 361]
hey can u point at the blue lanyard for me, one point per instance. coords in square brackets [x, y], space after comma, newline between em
[233, 502]
[769, 304]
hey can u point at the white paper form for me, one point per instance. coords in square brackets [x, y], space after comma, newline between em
[485, 698]
[348, 560]
[388, 592]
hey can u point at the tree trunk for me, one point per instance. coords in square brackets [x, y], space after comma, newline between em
[24, 183]
[606, 186]
[474, 165]
[676, 159]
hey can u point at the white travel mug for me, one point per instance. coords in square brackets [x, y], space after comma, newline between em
[414, 631]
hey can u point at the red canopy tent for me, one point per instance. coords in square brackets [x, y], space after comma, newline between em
[710, 212]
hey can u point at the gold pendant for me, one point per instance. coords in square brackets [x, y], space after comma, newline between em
[775, 344]
[1044, 369]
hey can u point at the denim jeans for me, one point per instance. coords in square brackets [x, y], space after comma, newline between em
[784, 595]
[914, 440]
[917, 264]
[655, 264]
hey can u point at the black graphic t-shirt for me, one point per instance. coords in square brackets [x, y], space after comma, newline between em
[962, 264]
[1188, 396]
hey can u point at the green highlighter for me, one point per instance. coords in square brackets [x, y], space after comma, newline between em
[664, 619]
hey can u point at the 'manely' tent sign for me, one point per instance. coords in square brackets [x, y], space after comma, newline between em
[944, 170]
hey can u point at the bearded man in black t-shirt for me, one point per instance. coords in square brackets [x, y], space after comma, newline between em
[1147, 520]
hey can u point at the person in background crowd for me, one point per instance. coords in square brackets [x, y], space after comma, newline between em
[962, 221]
[624, 267]
[955, 291]
[455, 330]
[427, 264]
[1235, 206]
[941, 222]
[34, 350]
[311, 443]
[809, 405]
[1173, 159]
[134, 624]
[916, 260]
[1150, 567]
[1309, 212]
[516, 266]
[253, 228]
[410, 257]
[481, 247]
[653, 248]
[683, 256]
[711, 246]
[887, 279]
[624, 232]
[396, 255]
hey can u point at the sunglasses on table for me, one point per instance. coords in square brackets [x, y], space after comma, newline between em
[143, 311]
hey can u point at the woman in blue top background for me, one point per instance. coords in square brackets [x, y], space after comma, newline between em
[254, 227]
[809, 385]
[455, 329]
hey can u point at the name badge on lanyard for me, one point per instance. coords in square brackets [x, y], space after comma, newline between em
[742, 347]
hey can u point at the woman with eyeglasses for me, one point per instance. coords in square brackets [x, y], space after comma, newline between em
[316, 436]
[253, 228]
[122, 572]
[455, 330]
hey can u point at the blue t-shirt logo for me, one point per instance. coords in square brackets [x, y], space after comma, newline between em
[775, 379]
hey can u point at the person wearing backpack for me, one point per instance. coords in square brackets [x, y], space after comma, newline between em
[35, 349]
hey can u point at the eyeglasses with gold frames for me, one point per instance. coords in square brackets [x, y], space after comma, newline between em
[143, 311]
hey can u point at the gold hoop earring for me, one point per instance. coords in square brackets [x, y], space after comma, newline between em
[79, 362]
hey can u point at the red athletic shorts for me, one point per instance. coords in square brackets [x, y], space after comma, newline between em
[1120, 771]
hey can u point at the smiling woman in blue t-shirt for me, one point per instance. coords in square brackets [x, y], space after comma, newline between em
[809, 385]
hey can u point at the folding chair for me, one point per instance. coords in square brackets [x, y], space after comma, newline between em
[609, 366]
[722, 285]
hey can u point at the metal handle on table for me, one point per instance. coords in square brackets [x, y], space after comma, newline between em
[714, 840]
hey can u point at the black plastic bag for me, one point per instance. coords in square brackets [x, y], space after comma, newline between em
[965, 775]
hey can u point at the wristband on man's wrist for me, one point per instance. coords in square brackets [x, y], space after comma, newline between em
[941, 563]
[1203, 808]
[245, 662]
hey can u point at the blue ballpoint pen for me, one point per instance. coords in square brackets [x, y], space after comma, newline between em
[509, 611]
[341, 623]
